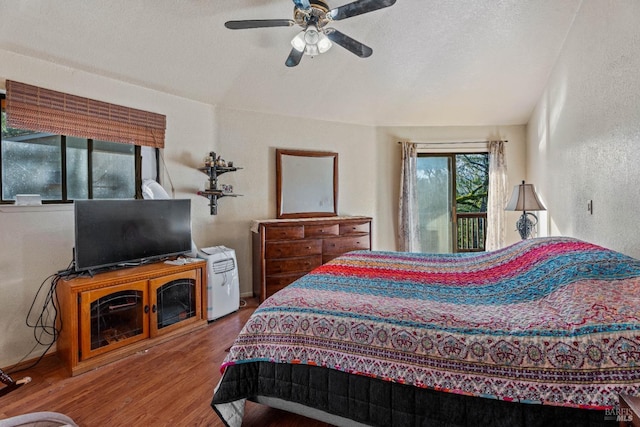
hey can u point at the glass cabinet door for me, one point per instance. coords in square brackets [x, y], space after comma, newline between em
[174, 301]
[113, 317]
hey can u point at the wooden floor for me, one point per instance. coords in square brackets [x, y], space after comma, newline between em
[170, 384]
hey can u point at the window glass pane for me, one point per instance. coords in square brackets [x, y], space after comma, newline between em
[77, 169]
[472, 182]
[149, 162]
[31, 165]
[434, 190]
[113, 170]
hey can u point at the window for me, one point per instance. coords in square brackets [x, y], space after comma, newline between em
[63, 168]
[452, 201]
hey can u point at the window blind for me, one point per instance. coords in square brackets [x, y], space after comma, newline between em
[44, 110]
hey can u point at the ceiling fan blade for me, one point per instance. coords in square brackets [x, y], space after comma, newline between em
[258, 23]
[348, 43]
[358, 8]
[294, 58]
[302, 4]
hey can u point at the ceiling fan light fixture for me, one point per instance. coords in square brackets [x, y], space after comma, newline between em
[311, 35]
[298, 42]
[311, 41]
[311, 50]
[324, 44]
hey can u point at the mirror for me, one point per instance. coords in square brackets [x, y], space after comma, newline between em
[306, 183]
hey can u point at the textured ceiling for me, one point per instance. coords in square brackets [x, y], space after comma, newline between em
[434, 62]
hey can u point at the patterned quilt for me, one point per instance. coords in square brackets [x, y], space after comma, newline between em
[551, 320]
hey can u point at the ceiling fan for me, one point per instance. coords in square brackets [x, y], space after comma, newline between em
[314, 16]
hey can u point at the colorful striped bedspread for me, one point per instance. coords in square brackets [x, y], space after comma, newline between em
[550, 320]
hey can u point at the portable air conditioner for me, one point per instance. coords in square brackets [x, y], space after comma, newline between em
[223, 286]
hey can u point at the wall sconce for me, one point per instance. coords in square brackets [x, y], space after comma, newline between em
[524, 198]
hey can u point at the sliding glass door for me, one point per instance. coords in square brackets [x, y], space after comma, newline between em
[435, 183]
[452, 193]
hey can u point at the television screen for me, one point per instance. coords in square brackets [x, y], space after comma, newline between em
[126, 232]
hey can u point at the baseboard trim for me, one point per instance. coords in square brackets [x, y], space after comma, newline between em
[26, 364]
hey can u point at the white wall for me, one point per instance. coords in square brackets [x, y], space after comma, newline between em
[369, 170]
[584, 135]
[250, 139]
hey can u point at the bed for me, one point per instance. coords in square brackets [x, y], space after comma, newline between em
[543, 332]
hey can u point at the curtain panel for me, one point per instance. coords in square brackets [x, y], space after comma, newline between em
[408, 231]
[497, 198]
[44, 110]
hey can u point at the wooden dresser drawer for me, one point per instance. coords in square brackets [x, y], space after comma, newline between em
[284, 233]
[340, 245]
[284, 250]
[281, 281]
[273, 289]
[295, 248]
[321, 230]
[328, 257]
[351, 228]
[291, 265]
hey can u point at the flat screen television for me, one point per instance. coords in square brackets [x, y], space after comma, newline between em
[128, 232]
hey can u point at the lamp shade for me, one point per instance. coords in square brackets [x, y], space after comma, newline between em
[524, 198]
[298, 42]
[324, 44]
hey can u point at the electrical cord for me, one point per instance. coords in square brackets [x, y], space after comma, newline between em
[46, 325]
[166, 170]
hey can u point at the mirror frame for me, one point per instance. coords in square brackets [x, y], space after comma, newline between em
[279, 184]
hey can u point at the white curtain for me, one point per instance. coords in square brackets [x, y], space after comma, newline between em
[498, 195]
[408, 231]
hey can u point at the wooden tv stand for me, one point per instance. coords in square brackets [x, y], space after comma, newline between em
[117, 313]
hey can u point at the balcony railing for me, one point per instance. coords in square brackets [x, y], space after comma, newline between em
[472, 231]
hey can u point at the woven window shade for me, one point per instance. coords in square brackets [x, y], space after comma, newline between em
[43, 110]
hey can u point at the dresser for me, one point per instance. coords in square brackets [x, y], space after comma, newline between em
[286, 249]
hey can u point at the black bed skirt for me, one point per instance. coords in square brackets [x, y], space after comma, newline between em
[382, 403]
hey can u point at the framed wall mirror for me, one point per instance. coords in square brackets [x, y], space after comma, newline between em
[306, 183]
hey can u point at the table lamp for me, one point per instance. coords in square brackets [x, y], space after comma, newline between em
[525, 199]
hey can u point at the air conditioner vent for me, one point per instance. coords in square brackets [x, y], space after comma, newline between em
[223, 265]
